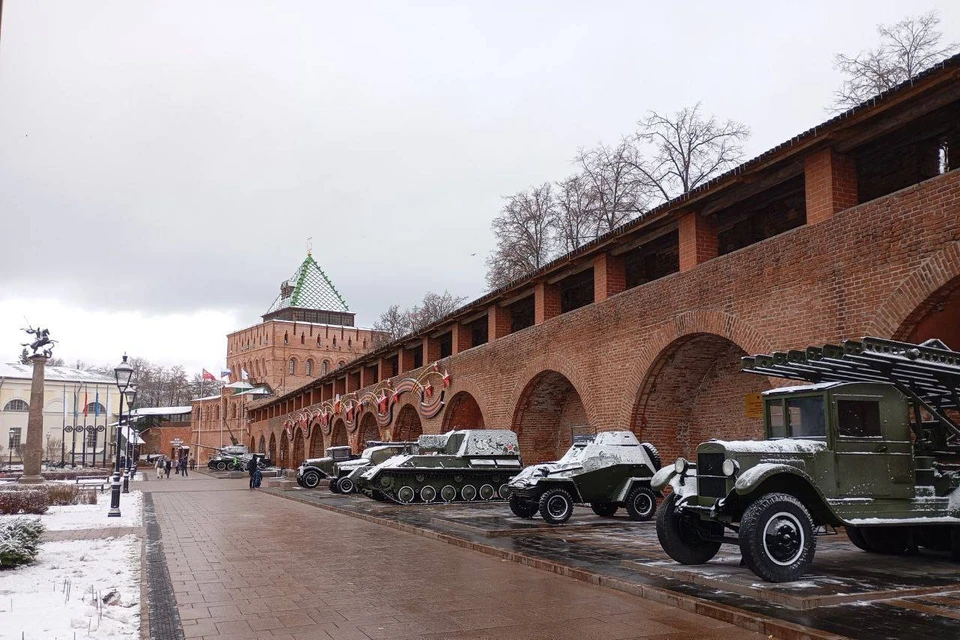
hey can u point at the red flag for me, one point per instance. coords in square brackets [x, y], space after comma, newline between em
[208, 376]
[85, 404]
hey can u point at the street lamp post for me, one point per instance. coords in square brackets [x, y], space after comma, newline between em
[123, 372]
[131, 394]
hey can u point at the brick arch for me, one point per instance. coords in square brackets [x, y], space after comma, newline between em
[462, 412]
[263, 445]
[903, 309]
[549, 412]
[368, 430]
[558, 364]
[338, 434]
[703, 321]
[272, 452]
[283, 451]
[299, 454]
[316, 441]
[406, 425]
[479, 394]
[253, 444]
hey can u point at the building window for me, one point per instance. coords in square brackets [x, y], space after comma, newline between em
[96, 409]
[334, 341]
[233, 411]
[92, 440]
[292, 366]
[309, 367]
[318, 341]
[323, 367]
[17, 405]
[301, 338]
[286, 339]
[14, 440]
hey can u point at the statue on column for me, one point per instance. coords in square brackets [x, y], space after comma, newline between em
[42, 347]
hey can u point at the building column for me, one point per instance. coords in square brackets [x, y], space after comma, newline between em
[830, 184]
[498, 322]
[698, 240]
[546, 302]
[462, 340]
[431, 350]
[406, 360]
[609, 277]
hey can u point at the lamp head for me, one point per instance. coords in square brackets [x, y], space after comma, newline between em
[123, 372]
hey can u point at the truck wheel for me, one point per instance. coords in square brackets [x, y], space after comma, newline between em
[776, 537]
[891, 541]
[345, 485]
[604, 509]
[300, 481]
[221, 466]
[556, 506]
[682, 535]
[311, 479]
[641, 503]
[856, 537]
[522, 508]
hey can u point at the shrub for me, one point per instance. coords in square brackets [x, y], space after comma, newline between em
[19, 541]
[61, 494]
[31, 501]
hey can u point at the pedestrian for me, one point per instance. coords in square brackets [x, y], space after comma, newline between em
[183, 467]
[176, 467]
[159, 467]
[166, 468]
[253, 469]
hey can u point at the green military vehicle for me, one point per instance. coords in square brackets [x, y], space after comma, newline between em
[313, 470]
[871, 446]
[348, 471]
[458, 465]
[607, 471]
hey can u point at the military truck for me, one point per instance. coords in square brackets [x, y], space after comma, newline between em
[348, 471]
[458, 465]
[313, 470]
[607, 471]
[871, 445]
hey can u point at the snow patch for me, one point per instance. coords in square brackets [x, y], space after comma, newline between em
[94, 516]
[784, 445]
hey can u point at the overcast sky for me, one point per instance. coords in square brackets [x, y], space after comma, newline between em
[162, 164]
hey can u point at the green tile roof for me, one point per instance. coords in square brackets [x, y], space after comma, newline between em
[311, 289]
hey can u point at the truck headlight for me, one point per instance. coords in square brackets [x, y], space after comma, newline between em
[681, 466]
[730, 467]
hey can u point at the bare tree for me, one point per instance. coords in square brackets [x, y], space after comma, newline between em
[392, 325]
[686, 150]
[524, 232]
[905, 49]
[435, 306]
[615, 186]
[576, 213]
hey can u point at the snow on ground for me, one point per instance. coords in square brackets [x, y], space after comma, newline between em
[57, 597]
[94, 516]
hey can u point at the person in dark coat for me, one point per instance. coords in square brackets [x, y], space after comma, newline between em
[183, 467]
[166, 467]
[252, 469]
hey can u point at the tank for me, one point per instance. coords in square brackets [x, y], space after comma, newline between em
[607, 471]
[348, 472]
[474, 464]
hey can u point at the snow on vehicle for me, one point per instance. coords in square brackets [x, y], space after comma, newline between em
[313, 470]
[607, 471]
[473, 464]
[871, 446]
[347, 472]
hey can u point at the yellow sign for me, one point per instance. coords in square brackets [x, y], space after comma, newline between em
[753, 405]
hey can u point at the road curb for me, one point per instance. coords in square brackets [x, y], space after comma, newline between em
[748, 620]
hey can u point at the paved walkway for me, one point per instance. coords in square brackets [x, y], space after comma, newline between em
[247, 565]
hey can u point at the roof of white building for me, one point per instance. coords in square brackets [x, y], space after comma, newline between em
[55, 374]
[162, 411]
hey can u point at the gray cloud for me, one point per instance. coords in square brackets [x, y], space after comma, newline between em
[175, 156]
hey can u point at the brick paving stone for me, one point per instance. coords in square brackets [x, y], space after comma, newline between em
[247, 565]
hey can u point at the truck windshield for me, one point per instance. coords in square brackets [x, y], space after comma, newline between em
[797, 417]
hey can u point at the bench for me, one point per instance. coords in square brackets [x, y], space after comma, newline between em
[8, 480]
[93, 481]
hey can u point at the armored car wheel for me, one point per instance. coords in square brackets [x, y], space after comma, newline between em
[428, 494]
[406, 494]
[487, 492]
[556, 506]
[523, 508]
[641, 503]
[604, 509]
[448, 493]
[221, 466]
[468, 492]
[311, 479]
[776, 537]
[683, 536]
[345, 485]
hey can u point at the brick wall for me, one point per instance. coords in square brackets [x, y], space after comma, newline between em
[861, 271]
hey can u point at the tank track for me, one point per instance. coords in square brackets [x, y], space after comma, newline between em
[439, 480]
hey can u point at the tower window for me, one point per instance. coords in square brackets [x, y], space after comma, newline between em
[292, 367]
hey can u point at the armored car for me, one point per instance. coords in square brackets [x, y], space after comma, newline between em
[348, 471]
[871, 445]
[607, 471]
[474, 464]
[313, 470]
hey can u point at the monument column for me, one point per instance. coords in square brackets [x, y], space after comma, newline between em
[33, 456]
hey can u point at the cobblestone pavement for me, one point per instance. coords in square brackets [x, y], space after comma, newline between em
[249, 565]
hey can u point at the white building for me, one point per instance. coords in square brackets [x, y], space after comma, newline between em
[72, 399]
